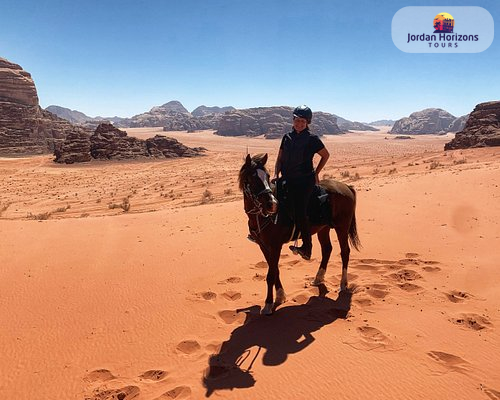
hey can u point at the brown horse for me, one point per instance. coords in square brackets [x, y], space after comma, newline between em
[261, 207]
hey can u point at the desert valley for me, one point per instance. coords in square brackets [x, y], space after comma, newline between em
[126, 272]
[120, 279]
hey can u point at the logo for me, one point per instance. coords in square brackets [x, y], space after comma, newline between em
[412, 31]
[443, 23]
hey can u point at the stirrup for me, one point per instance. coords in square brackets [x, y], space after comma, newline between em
[300, 251]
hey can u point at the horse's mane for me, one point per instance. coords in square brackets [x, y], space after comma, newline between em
[257, 161]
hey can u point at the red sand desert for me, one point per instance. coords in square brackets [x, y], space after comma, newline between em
[122, 280]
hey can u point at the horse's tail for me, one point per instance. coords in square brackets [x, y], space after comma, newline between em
[353, 231]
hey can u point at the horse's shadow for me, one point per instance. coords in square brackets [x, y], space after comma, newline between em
[287, 331]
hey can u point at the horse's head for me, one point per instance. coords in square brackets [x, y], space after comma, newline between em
[254, 182]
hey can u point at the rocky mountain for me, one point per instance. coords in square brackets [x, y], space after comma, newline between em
[170, 113]
[346, 125]
[202, 111]
[481, 129]
[79, 118]
[272, 122]
[428, 121]
[458, 124]
[111, 143]
[73, 116]
[25, 128]
[382, 122]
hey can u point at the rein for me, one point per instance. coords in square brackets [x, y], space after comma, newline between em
[257, 208]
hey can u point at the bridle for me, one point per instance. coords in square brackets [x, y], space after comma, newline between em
[257, 204]
[258, 209]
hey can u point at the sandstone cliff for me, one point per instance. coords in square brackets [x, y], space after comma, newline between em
[25, 128]
[481, 129]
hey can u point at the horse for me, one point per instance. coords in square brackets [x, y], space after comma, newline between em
[261, 207]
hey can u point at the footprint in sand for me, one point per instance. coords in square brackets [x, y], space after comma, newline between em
[405, 275]
[450, 362]
[232, 279]
[179, 392]
[431, 269]
[231, 295]
[376, 290]
[208, 295]
[456, 296]
[409, 261]
[261, 264]
[301, 298]
[259, 277]
[291, 263]
[124, 393]
[365, 267]
[188, 346]
[472, 321]
[99, 375]
[364, 302]
[375, 261]
[412, 255]
[154, 375]
[491, 393]
[373, 339]
[410, 287]
[231, 316]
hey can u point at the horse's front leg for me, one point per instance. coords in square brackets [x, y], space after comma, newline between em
[272, 256]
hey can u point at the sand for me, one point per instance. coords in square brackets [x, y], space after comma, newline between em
[122, 280]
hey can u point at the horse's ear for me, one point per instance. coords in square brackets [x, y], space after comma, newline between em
[248, 160]
[264, 160]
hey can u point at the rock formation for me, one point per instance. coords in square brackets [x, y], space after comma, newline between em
[160, 115]
[73, 116]
[428, 121]
[272, 122]
[25, 128]
[458, 124]
[346, 125]
[202, 111]
[481, 129]
[79, 118]
[111, 143]
[382, 122]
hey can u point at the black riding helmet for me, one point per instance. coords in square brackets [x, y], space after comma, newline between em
[303, 112]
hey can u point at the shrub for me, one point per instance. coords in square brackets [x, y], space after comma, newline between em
[434, 164]
[460, 161]
[207, 197]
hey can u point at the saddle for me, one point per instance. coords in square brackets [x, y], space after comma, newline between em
[319, 210]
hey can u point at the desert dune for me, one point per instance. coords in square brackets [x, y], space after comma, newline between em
[135, 280]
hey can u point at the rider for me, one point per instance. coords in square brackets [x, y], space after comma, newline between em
[295, 163]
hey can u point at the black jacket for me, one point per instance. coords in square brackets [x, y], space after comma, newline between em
[297, 152]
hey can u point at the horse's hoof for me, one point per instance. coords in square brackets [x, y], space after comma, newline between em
[268, 309]
[280, 298]
[320, 278]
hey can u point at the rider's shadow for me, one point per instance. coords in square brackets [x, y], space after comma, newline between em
[287, 331]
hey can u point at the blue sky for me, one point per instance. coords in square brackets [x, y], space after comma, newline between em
[113, 57]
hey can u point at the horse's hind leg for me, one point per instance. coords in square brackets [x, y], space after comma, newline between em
[326, 251]
[345, 251]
